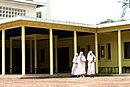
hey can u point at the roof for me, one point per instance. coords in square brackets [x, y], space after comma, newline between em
[113, 24]
[5, 20]
[39, 4]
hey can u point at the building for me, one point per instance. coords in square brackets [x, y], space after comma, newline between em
[13, 8]
[32, 45]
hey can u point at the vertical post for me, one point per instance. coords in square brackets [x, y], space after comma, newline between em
[51, 51]
[119, 51]
[75, 42]
[56, 60]
[23, 50]
[11, 55]
[3, 52]
[35, 53]
[96, 51]
[30, 56]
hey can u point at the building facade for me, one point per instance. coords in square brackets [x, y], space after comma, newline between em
[31, 45]
[13, 8]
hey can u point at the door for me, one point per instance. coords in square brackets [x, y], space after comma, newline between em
[63, 59]
[17, 61]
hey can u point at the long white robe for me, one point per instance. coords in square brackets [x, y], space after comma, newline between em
[75, 66]
[81, 65]
[91, 65]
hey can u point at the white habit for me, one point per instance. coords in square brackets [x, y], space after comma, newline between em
[91, 63]
[81, 66]
[75, 65]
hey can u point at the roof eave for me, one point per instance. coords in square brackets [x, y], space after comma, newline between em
[38, 4]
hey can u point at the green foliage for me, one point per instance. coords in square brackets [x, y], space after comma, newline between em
[111, 21]
[107, 21]
[122, 20]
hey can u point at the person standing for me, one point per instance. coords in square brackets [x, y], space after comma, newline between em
[81, 66]
[75, 65]
[91, 64]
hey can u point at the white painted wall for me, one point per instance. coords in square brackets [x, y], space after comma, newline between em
[30, 9]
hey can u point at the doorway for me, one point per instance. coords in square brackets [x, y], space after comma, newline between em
[63, 60]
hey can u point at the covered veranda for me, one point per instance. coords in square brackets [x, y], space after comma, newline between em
[24, 34]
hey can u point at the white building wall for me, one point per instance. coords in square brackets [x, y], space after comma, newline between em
[46, 10]
[30, 9]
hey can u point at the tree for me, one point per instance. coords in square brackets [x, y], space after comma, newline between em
[111, 21]
[121, 20]
[107, 21]
[126, 4]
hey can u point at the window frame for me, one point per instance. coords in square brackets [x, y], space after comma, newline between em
[126, 46]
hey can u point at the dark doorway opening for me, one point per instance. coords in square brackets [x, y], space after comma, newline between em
[16, 61]
[63, 60]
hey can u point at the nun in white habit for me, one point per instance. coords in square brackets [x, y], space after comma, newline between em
[81, 67]
[91, 63]
[75, 65]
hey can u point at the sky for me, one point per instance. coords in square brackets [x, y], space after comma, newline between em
[85, 11]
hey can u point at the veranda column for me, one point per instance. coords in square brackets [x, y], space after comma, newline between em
[51, 50]
[35, 53]
[75, 42]
[56, 60]
[30, 56]
[10, 55]
[3, 52]
[23, 50]
[96, 51]
[119, 51]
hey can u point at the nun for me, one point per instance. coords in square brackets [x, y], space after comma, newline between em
[91, 64]
[81, 67]
[75, 65]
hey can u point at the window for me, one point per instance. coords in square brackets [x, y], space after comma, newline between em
[98, 51]
[108, 51]
[11, 12]
[102, 51]
[39, 14]
[127, 50]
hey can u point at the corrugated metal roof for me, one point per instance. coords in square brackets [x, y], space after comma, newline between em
[6, 20]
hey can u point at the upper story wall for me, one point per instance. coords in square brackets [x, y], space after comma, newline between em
[11, 9]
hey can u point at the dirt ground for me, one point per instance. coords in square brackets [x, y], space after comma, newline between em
[116, 81]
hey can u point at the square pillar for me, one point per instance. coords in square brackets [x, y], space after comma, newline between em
[3, 52]
[23, 50]
[11, 55]
[75, 42]
[35, 53]
[51, 50]
[119, 52]
[96, 51]
[30, 56]
[56, 59]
